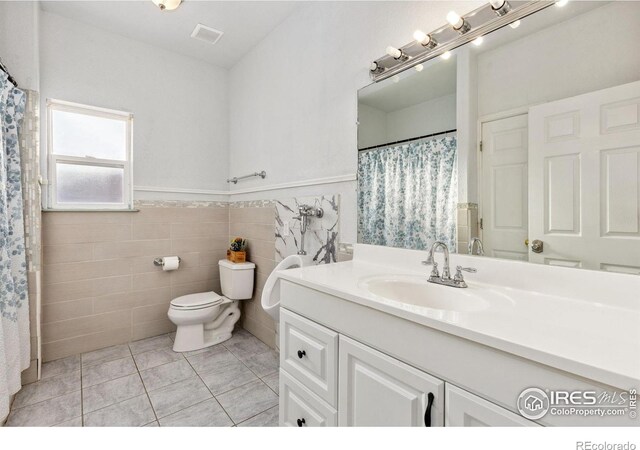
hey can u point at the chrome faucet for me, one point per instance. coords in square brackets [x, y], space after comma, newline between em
[304, 213]
[472, 244]
[446, 280]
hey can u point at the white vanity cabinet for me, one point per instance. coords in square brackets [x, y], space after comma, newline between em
[464, 409]
[361, 387]
[377, 390]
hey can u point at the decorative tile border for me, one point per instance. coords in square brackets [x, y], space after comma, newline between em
[30, 162]
[178, 204]
[253, 204]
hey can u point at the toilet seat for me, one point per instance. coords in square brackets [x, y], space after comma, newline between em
[197, 301]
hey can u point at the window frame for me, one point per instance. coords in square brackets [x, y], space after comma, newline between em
[53, 159]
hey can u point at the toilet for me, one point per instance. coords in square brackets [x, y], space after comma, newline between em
[207, 318]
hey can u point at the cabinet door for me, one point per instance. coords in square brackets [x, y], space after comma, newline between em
[299, 407]
[468, 410]
[378, 390]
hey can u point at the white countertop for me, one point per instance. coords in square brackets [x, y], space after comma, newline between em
[597, 340]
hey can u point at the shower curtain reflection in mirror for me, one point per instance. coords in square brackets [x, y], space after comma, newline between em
[408, 194]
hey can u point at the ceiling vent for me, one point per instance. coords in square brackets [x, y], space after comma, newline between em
[206, 34]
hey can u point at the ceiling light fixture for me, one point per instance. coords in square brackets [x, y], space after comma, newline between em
[456, 32]
[458, 23]
[167, 5]
[424, 39]
[396, 53]
[501, 7]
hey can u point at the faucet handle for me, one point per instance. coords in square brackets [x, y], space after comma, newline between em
[434, 271]
[458, 278]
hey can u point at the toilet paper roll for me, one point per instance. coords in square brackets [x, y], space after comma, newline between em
[170, 263]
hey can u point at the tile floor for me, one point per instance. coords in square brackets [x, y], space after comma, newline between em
[145, 383]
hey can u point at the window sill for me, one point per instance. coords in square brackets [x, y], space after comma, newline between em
[90, 210]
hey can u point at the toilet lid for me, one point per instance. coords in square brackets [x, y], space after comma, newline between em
[199, 300]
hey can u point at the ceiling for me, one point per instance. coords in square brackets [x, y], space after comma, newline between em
[244, 23]
[437, 79]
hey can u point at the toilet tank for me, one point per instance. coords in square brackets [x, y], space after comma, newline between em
[236, 279]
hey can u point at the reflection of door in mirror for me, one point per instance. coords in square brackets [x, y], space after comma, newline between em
[503, 187]
[585, 180]
[557, 180]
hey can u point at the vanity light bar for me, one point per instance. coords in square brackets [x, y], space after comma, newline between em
[426, 46]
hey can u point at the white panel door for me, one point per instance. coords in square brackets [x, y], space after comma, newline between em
[584, 180]
[463, 409]
[377, 390]
[504, 188]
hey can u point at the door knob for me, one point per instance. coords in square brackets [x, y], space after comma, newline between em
[537, 246]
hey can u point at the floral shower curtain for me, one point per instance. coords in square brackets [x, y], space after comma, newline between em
[14, 302]
[408, 194]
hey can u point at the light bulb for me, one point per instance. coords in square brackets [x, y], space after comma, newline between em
[515, 24]
[478, 41]
[394, 52]
[455, 20]
[419, 67]
[167, 5]
[373, 66]
[561, 3]
[446, 55]
[497, 4]
[420, 36]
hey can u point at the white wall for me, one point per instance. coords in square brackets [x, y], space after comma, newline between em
[294, 96]
[433, 116]
[372, 126]
[19, 41]
[180, 104]
[378, 127]
[592, 51]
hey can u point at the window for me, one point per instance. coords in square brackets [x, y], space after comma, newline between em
[89, 157]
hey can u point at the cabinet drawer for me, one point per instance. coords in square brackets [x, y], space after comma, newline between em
[309, 352]
[378, 390]
[300, 407]
[465, 409]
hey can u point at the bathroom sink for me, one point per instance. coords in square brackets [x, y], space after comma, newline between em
[418, 291]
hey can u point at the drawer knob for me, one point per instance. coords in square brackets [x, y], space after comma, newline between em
[300, 422]
[301, 353]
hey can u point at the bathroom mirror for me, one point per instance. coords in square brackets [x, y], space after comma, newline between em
[528, 140]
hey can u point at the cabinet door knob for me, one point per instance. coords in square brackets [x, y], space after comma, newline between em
[301, 353]
[300, 422]
[427, 413]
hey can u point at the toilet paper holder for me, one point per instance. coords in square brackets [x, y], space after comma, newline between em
[160, 261]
